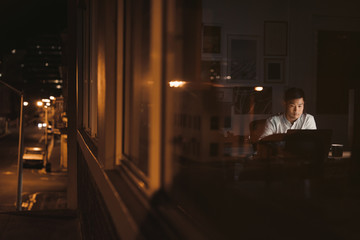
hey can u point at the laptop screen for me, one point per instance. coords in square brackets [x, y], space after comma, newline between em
[314, 144]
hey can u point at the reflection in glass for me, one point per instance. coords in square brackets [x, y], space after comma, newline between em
[212, 170]
[137, 87]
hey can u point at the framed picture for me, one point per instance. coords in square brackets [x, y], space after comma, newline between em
[243, 58]
[274, 70]
[211, 43]
[275, 38]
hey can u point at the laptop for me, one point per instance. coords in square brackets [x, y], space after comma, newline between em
[311, 144]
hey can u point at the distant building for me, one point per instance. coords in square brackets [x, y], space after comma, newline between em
[5, 103]
[42, 66]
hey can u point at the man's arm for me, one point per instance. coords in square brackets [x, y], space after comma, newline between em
[310, 122]
[269, 129]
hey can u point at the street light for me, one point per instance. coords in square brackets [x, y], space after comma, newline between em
[39, 103]
[45, 103]
[46, 137]
[20, 146]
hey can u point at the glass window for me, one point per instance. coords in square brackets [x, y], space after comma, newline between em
[223, 73]
[221, 85]
[137, 83]
[84, 63]
[88, 74]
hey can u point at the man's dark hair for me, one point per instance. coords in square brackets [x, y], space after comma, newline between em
[294, 93]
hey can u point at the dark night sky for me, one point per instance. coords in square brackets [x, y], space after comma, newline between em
[21, 19]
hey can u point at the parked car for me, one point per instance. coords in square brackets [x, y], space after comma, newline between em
[33, 157]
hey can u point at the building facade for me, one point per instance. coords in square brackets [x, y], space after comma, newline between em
[160, 98]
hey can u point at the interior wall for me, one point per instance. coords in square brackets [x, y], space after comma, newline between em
[304, 19]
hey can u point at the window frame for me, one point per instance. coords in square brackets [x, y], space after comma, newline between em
[150, 183]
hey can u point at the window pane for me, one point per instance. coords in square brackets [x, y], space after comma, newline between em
[137, 85]
[219, 94]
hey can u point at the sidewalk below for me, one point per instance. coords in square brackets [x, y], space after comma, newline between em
[39, 225]
[44, 212]
[55, 154]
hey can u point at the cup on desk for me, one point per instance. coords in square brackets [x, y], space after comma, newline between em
[337, 150]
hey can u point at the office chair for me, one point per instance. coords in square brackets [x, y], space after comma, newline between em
[257, 128]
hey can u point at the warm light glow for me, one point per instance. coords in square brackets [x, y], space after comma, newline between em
[48, 104]
[26, 103]
[55, 81]
[258, 88]
[0, 74]
[52, 98]
[46, 64]
[13, 51]
[58, 86]
[177, 83]
[39, 103]
[228, 77]
[39, 125]
[45, 100]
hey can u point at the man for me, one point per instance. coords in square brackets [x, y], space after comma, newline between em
[293, 117]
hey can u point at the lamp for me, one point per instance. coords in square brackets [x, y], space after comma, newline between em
[45, 103]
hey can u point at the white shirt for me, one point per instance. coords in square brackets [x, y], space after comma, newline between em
[279, 124]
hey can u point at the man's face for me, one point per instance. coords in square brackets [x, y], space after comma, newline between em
[294, 109]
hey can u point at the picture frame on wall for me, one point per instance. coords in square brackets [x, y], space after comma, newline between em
[275, 38]
[211, 39]
[243, 57]
[274, 70]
